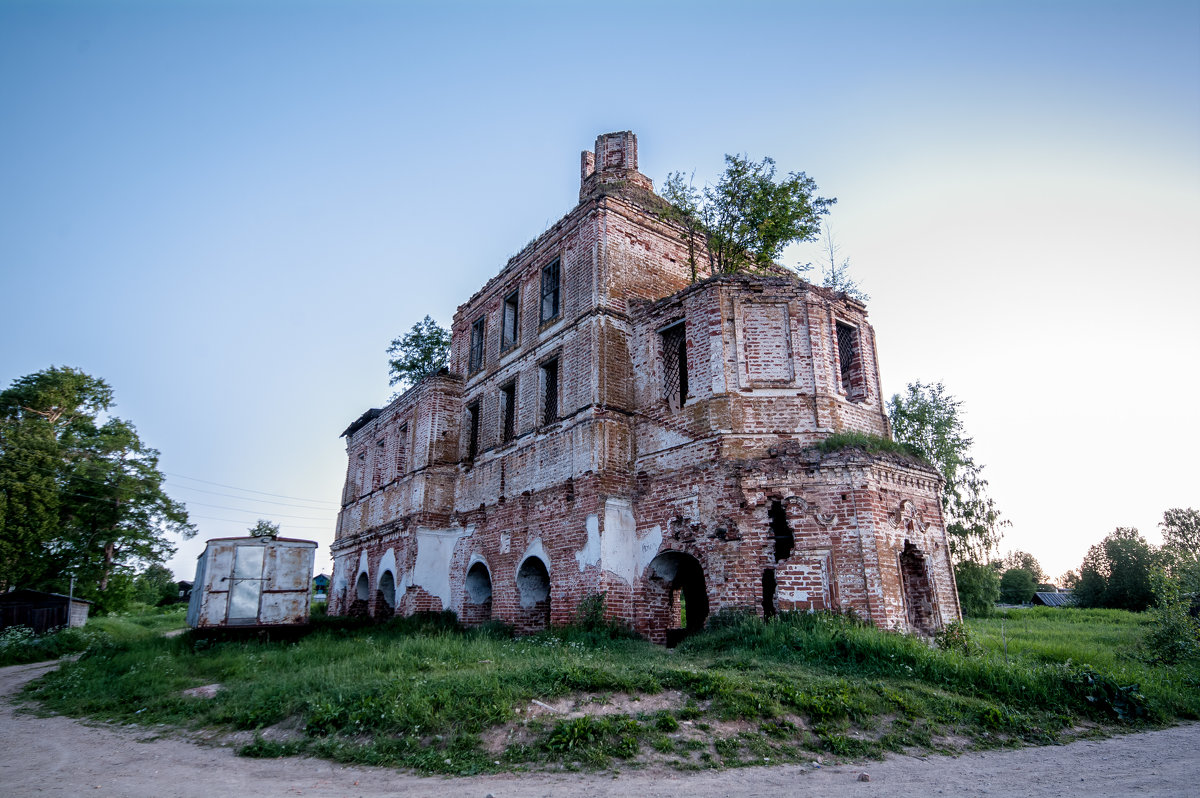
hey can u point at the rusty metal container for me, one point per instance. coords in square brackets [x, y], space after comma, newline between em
[254, 582]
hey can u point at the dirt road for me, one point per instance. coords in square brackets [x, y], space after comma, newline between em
[58, 756]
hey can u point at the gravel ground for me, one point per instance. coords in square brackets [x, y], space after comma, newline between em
[58, 756]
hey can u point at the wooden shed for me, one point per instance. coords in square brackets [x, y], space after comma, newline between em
[41, 611]
[256, 582]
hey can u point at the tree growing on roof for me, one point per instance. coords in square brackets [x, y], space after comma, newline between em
[423, 350]
[747, 217]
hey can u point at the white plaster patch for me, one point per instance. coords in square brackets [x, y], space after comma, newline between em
[363, 567]
[388, 563]
[622, 552]
[431, 571]
[590, 553]
[535, 549]
[505, 543]
[340, 578]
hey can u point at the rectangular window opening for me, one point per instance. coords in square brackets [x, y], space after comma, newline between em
[476, 357]
[850, 361]
[510, 327]
[402, 451]
[549, 391]
[472, 430]
[508, 412]
[550, 289]
[675, 372]
[380, 463]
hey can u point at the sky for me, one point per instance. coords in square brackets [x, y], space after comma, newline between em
[227, 210]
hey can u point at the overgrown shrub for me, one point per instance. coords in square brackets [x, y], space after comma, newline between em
[955, 636]
[978, 588]
[1174, 634]
[867, 442]
[20, 644]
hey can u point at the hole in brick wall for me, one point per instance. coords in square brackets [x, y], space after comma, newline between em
[387, 589]
[918, 592]
[678, 598]
[768, 592]
[362, 588]
[785, 541]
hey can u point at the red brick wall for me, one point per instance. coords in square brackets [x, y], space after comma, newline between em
[624, 475]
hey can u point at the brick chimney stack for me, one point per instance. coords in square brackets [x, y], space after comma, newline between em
[614, 163]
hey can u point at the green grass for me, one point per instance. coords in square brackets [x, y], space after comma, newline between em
[424, 694]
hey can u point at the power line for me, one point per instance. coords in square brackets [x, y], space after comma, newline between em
[332, 505]
[248, 490]
[235, 521]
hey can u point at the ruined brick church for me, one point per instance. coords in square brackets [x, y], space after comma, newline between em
[608, 425]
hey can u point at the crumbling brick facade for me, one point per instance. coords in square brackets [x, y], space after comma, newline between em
[608, 425]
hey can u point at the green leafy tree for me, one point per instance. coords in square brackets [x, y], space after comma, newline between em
[1181, 547]
[423, 350]
[928, 419]
[264, 529]
[82, 495]
[1116, 573]
[978, 588]
[156, 586]
[1017, 586]
[747, 218]
[1174, 635]
[1025, 561]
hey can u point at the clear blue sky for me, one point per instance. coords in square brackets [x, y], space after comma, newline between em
[228, 209]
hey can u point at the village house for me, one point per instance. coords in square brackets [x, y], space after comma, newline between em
[608, 425]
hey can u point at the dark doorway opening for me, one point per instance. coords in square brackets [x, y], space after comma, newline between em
[918, 592]
[533, 587]
[680, 607]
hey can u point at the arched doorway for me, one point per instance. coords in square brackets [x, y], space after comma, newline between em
[362, 590]
[676, 596]
[385, 597]
[918, 591]
[477, 605]
[533, 589]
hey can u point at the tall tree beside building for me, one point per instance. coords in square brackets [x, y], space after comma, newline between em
[929, 419]
[1181, 546]
[79, 491]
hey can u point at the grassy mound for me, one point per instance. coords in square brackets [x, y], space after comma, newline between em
[425, 694]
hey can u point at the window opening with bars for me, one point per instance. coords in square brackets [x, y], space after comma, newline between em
[508, 412]
[476, 357]
[550, 289]
[510, 321]
[675, 373]
[550, 391]
[849, 360]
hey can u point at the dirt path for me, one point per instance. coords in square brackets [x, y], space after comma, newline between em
[58, 756]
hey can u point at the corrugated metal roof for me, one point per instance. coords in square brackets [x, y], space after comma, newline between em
[1055, 599]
